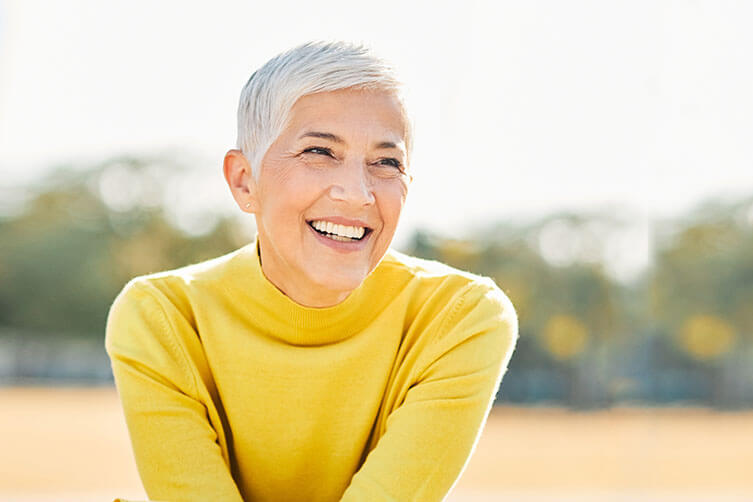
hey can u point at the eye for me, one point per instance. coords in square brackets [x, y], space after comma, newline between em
[388, 168]
[391, 162]
[319, 150]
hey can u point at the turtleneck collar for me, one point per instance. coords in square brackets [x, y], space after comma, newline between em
[282, 318]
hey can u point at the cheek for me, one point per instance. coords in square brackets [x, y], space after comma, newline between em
[391, 199]
[290, 190]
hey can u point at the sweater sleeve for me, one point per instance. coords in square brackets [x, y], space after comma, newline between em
[174, 444]
[429, 438]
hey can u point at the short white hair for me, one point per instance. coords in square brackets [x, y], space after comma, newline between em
[273, 89]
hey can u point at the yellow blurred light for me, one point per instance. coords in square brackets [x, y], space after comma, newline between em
[565, 336]
[706, 336]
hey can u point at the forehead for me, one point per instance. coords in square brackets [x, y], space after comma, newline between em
[350, 112]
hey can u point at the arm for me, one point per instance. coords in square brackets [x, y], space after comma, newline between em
[431, 435]
[174, 443]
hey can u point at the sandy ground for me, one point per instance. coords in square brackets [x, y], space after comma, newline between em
[72, 445]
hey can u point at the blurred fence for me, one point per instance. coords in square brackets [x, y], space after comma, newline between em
[44, 359]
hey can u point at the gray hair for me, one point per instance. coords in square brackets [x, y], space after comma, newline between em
[273, 89]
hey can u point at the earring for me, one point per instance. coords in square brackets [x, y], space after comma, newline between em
[248, 205]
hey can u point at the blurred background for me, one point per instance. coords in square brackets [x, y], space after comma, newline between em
[594, 158]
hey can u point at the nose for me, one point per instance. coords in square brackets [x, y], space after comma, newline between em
[352, 185]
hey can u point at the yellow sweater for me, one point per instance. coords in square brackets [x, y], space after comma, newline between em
[232, 391]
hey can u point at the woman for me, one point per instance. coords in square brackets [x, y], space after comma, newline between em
[314, 363]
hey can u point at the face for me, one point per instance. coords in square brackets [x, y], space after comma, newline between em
[329, 193]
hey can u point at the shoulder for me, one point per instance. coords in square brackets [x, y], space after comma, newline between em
[203, 272]
[460, 318]
[421, 267]
[159, 309]
[460, 285]
[452, 295]
[174, 286]
[164, 298]
[151, 325]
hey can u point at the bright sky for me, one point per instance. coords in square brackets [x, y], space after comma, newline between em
[522, 108]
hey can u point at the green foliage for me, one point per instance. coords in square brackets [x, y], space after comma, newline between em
[65, 257]
[705, 267]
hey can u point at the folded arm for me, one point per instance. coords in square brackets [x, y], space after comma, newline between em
[429, 438]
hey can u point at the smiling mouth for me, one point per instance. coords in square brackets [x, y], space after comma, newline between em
[341, 233]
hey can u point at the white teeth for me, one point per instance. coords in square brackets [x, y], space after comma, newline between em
[344, 232]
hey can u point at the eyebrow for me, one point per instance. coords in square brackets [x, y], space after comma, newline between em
[386, 144]
[337, 139]
[322, 135]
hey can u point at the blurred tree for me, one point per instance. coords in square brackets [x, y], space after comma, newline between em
[705, 266]
[702, 294]
[65, 257]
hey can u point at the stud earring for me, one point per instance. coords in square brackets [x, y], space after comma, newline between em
[248, 205]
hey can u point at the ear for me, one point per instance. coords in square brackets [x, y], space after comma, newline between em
[241, 181]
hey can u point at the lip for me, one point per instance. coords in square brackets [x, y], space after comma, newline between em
[339, 246]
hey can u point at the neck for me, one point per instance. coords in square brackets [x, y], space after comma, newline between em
[314, 297]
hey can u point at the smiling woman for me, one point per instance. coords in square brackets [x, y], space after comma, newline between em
[315, 363]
